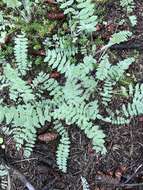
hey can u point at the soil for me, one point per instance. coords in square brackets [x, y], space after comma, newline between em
[120, 168]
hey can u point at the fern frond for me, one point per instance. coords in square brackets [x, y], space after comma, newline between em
[67, 46]
[62, 44]
[38, 81]
[119, 37]
[86, 17]
[81, 13]
[81, 70]
[128, 4]
[119, 120]
[26, 132]
[7, 113]
[107, 92]
[3, 82]
[76, 112]
[133, 20]
[96, 135]
[63, 153]
[117, 71]
[136, 107]
[42, 82]
[131, 109]
[112, 72]
[72, 92]
[57, 60]
[12, 3]
[63, 147]
[67, 6]
[92, 110]
[103, 68]
[3, 176]
[25, 119]
[20, 52]
[90, 85]
[17, 87]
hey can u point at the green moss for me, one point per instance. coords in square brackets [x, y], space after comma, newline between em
[36, 27]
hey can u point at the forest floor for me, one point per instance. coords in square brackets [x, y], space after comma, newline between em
[120, 168]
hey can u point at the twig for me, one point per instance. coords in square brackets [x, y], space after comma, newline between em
[17, 174]
[24, 160]
[130, 185]
[9, 183]
[121, 184]
[123, 46]
[22, 178]
[133, 174]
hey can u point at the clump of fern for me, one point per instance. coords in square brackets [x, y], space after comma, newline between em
[83, 97]
[73, 102]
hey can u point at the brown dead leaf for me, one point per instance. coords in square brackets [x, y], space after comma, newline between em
[47, 137]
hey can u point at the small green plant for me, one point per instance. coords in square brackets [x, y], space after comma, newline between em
[129, 6]
[83, 98]
[75, 102]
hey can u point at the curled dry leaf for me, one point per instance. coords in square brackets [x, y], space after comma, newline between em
[120, 171]
[123, 168]
[47, 137]
[118, 174]
[111, 27]
[98, 27]
[38, 53]
[56, 16]
[55, 74]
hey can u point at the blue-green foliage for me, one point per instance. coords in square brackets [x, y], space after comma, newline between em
[129, 6]
[68, 102]
[20, 51]
[132, 108]
[75, 102]
[63, 147]
[81, 15]
[80, 100]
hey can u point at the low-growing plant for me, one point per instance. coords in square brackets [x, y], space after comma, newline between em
[83, 98]
[129, 6]
[76, 101]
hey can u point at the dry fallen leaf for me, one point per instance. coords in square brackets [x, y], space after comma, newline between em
[47, 137]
